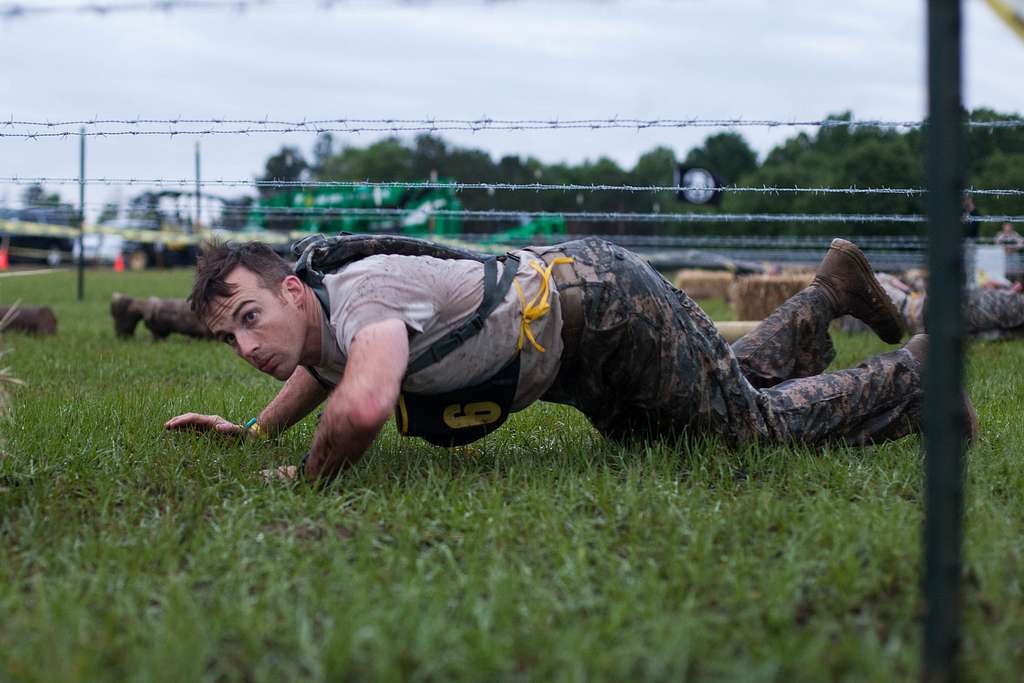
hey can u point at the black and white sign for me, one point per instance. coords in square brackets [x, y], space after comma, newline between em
[697, 185]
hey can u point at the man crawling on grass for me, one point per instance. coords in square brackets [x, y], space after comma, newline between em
[450, 342]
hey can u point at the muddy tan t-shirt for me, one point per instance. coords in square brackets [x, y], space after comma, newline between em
[433, 296]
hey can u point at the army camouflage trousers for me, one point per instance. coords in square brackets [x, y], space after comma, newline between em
[988, 313]
[646, 361]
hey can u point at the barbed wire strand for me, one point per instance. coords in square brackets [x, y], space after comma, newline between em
[10, 11]
[695, 217]
[232, 211]
[21, 10]
[603, 216]
[510, 187]
[486, 123]
[256, 126]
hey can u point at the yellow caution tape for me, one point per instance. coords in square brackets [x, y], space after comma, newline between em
[1012, 12]
[38, 229]
[171, 238]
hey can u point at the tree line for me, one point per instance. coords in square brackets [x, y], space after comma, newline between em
[834, 156]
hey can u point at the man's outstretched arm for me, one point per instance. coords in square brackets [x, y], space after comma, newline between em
[299, 395]
[358, 408]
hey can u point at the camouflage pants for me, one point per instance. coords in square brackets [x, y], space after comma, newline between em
[647, 361]
[988, 313]
[994, 313]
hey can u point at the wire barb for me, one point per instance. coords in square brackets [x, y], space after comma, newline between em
[505, 187]
[248, 126]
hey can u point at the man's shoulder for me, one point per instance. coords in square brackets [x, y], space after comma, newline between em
[387, 266]
[393, 272]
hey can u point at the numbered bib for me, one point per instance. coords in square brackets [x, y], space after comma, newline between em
[459, 417]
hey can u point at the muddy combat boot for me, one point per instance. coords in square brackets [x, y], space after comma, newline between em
[918, 348]
[126, 313]
[164, 316]
[850, 284]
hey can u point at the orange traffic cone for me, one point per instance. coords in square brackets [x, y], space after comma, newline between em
[119, 263]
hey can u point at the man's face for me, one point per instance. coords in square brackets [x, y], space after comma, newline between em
[265, 327]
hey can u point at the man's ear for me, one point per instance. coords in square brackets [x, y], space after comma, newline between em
[292, 291]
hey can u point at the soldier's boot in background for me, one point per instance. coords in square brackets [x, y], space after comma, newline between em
[126, 313]
[850, 284]
[161, 317]
[38, 320]
[918, 348]
[164, 316]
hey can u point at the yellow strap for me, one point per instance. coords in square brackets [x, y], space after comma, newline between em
[403, 416]
[539, 305]
[254, 430]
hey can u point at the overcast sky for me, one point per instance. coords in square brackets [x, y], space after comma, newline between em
[645, 59]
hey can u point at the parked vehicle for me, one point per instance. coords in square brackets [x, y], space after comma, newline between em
[49, 249]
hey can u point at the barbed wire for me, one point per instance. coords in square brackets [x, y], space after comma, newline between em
[511, 187]
[431, 125]
[690, 217]
[215, 210]
[898, 242]
[632, 217]
[20, 10]
[599, 216]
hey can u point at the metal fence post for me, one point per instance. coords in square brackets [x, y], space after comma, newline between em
[195, 225]
[81, 214]
[945, 417]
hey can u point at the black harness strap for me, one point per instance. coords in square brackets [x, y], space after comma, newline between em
[321, 296]
[319, 378]
[494, 294]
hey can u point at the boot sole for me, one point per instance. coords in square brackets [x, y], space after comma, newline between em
[851, 249]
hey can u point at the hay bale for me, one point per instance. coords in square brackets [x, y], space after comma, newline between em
[705, 284]
[755, 297]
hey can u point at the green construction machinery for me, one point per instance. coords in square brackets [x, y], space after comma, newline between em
[373, 208]
[359, 209]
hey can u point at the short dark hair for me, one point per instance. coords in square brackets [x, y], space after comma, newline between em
[218, 259]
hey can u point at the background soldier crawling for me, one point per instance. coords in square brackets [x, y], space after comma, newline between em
[433, 336]
[990, 313]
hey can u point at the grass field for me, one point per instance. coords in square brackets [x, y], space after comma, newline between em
[128, 553]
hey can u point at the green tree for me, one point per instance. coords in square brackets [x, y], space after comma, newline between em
[36, 197]
[1000, 170]
[386, 159]
[109, 212]
[286, 165]
[323, 149]
[726, 154]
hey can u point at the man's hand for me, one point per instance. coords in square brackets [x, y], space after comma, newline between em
[205, 423]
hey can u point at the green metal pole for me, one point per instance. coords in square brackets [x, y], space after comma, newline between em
[81, 214]
[195, 225]
[945, 416]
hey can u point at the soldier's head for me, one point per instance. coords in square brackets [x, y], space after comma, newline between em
[250, 299]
